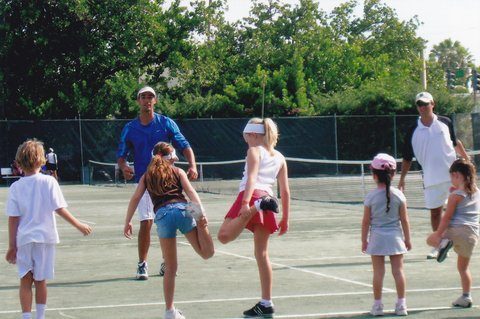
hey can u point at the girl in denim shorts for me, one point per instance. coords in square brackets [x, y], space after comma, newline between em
[165, 184]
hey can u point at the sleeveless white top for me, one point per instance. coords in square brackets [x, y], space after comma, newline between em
[268, 169]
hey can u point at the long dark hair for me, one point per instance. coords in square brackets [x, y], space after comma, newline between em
[467, 169]
[385, 176]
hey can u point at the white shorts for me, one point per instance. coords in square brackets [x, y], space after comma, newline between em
[145, 208]
[436, 195]
[39, 258]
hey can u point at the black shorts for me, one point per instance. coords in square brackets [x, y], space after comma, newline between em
[51, 167]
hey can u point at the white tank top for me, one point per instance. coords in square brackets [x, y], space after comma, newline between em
[268, 169]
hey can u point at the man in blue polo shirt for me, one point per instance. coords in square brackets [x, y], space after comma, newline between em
[433, 142]
[138, 137]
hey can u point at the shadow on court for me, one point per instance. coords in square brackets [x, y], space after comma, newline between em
[318, 269]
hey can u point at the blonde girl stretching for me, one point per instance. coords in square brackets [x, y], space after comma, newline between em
[385, 218]
[165, 184]
[255, 206]
[459, 225]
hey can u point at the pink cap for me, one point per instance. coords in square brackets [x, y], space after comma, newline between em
[384, 161]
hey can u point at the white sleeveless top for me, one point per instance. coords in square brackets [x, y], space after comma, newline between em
[268, 169]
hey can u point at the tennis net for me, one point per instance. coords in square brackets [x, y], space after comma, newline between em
[310, 179]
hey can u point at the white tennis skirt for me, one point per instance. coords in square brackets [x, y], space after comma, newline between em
[386, 242]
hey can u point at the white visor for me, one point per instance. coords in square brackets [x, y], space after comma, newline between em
[172, 155]
[254, 128]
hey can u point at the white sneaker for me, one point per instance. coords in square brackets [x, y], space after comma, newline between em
[196, 210]
[464, 302]
[401, 310]
[175, 314]
[433, 254]
[377, 310]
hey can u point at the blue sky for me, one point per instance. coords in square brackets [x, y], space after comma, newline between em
[442, 19]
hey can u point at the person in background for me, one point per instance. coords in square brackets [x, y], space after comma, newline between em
[52, 163]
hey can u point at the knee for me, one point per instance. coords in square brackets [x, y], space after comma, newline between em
[223, 236]
[208, 253]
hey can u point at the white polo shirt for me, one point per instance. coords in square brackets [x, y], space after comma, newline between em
[434, 150]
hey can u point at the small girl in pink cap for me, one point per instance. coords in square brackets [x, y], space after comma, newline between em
[386, 231]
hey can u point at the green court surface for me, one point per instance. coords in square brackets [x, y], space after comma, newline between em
[319, 271]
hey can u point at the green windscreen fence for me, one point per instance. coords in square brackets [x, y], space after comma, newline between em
[328, 137]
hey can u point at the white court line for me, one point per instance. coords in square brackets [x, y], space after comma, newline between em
[349, 313]
[196, 301]
[299, 269]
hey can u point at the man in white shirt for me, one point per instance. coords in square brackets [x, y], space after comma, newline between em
[433, 142]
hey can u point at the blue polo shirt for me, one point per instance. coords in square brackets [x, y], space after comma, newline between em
[140, 139]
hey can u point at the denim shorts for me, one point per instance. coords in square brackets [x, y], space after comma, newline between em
[171, 217]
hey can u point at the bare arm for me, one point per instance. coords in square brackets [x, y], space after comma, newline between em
[406, 164]
[365, 227]
[126, 170]
[460, 149]
[83, 228]
[11, 255]
[132, 206]
[285, 197]
[253, 163]
[192, 165]
[405, 225]
[188, 188]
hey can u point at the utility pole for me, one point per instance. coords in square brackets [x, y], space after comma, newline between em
[423, 75]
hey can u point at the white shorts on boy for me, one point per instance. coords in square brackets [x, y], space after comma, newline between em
[436, 195]
[39, 258]
[145, 208]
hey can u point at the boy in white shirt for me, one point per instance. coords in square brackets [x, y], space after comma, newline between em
[31, 206]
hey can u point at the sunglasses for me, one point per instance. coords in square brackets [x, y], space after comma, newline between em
[421, 103]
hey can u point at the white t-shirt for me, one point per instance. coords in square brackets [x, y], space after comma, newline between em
[52, 158]
[34, 199]
[268, 169]
[434, 149]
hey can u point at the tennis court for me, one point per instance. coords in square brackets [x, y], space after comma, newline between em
[319, 271]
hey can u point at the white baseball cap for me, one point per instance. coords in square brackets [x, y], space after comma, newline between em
[424, 97]
[146, 89]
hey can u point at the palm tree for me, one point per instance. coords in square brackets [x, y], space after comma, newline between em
[451, 55]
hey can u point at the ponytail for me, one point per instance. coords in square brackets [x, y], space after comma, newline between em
[385, 177]
[271, 131]
[159, 176]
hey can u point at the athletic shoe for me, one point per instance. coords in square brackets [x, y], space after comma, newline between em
[401, 310]
[444, 247]
[161, 273]
[433, 254]
[267, 203]
[176, 314]
[462, 301]
[377, 310]
[142, 271]
[259, 311]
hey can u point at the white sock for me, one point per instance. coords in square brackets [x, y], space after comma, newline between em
[26, 315]
[401, 301]
[266, 303]
[377, 302]
[257, 206]
[170, 311]
[41, 311]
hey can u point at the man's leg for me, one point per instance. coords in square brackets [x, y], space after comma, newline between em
[144, 239]
[435, 217]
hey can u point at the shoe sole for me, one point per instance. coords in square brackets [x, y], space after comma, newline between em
[442, 253]
[462, 306]
[142, 277]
